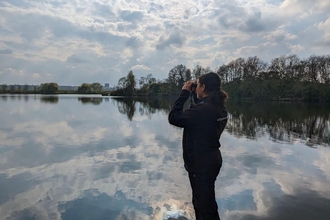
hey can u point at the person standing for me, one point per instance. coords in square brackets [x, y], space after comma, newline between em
[203, 125]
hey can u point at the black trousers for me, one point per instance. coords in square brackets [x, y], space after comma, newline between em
[203, 199]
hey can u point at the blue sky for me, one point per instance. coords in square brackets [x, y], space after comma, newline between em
[75, 41]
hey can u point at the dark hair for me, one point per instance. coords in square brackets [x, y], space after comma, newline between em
[212, 83]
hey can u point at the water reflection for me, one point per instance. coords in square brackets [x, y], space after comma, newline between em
[94, 205]
[49, 99]
[88, 100]
[4, 98]
[147, 106]
[304, 204]
[26, 98]
[122, 160]
[285, 122]
[126, 106]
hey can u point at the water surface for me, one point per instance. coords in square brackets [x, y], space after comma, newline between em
[93, 157]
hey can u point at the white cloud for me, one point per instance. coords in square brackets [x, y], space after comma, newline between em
[296, 48]
[140, 67]
[12, 73]
[101, 40]
[325, 27]
[304, 8]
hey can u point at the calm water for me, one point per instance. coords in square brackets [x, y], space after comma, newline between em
[91, 157]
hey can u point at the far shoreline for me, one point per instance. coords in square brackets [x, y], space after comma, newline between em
[108, 94]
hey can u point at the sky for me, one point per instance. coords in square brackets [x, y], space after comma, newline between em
[71, 42]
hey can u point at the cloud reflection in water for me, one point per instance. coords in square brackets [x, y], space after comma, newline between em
[108, 160]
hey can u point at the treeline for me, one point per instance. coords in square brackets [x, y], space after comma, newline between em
[51, 88]
[285, 78]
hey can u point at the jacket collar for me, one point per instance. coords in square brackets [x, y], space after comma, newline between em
[202, 100]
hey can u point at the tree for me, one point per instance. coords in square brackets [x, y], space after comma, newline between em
[277, 67]
[325, 69]
[96, 87]
[197, 72]
[130, 83]
[150, 79]
[292, 66]
[146, 82]
[188, 75]
[85, 88]
[223, 73]
[12, 88]
[19, 88]
[25, 88]
[127, 84]
[253, 66]
[311, 69]
[48, 88]
[206, 70]
[122, 82]
[142, 81]
[236, 69]
[178, 75]
[4, 88]
[285, 67]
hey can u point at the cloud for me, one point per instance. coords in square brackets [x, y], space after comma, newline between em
[6, 51]
[131, 16]
[296, 48]
[103, 9]
[253, 23]
[101, 40]
[233, 16]
[134, 42]
[279, 36]
[325, 27]
[176, 38]
[140, 67]
[76, 59]
[12, 72]
[303, 8]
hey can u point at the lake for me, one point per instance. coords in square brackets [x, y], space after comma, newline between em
[93, 157]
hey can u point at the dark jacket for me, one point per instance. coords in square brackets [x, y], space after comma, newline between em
[203, 125]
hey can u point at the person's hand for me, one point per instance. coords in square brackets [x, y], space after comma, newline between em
[187, 86]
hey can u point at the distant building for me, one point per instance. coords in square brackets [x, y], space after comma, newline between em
[68, 88]
[106, 87]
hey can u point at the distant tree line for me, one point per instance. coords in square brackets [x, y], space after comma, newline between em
[285, 78]
[93, 88]
[51, 88]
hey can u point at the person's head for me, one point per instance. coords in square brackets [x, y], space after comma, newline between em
[209, 85]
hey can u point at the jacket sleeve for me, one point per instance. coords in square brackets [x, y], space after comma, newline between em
[181, 118]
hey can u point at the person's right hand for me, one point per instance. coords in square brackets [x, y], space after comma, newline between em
[187, 86]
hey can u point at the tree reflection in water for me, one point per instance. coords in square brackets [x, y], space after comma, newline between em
[49, 99]
[283, 121]
[126, 106]
[147, 106]
[88, 100]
